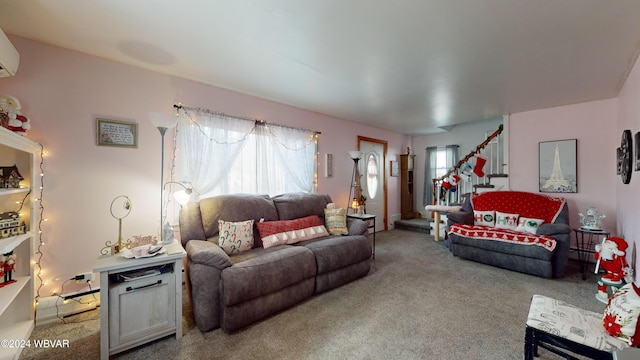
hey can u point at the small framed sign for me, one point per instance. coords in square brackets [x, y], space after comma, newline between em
[394, 168]
[116, 133]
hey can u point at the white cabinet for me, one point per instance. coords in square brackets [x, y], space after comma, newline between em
[140, 299]
[17, 305]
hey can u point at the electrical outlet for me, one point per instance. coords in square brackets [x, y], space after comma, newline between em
[84, 277]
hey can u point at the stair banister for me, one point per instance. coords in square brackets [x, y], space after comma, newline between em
[437, 181]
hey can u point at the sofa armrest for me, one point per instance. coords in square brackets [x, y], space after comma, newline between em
[553, 229]
[357, 227]
[460, 217]
[207, 253]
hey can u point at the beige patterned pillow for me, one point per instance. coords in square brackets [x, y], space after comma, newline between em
[335, 220]
[235, 237]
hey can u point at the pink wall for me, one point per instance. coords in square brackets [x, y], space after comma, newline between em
[628, 196]
[62, 92]
[593, 125]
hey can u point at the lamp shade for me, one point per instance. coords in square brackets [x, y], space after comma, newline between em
[355, 154]
[182, 196]
[163, 120]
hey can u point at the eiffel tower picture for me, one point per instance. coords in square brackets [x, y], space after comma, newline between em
[557, 182]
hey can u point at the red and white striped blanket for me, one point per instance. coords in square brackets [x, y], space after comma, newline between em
[505, 235]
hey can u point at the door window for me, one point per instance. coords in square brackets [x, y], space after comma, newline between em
[372, 176]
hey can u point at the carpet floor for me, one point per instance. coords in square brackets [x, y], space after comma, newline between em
[418, 302]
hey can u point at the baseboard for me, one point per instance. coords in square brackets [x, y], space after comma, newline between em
[392, 220]
[54, 308]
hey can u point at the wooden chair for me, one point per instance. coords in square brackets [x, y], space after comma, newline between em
[566, 330]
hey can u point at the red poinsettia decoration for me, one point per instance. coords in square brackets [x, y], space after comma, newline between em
[610, 324]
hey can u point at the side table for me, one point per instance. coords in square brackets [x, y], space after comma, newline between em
[140, 299]
[585, 247]
[371, 222]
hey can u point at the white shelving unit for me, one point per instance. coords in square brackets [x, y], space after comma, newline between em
[17, 300]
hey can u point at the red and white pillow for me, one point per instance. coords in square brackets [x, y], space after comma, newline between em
[283, 232]
[621, 314]
[484, 218]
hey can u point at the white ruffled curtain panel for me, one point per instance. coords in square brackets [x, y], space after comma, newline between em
[222, 154]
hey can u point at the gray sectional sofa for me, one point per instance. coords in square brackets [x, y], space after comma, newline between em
[233, 291]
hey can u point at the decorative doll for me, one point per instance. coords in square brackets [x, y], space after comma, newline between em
[611, 256]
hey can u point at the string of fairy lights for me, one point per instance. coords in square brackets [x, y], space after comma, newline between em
[38, 252]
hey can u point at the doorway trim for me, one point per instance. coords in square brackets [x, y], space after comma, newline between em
[384, 172]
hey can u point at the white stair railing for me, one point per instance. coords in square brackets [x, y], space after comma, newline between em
[492, 149]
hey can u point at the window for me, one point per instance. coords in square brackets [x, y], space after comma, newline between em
[372, 176]
[220, 154]
[438, 160]
[441, 164]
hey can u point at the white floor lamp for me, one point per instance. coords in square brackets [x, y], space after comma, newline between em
[163, 122]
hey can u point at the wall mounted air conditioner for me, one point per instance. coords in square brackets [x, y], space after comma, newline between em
[9, 57]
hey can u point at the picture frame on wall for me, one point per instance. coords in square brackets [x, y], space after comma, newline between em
[557, 166]
[636, 139]
[394, 168]
[328, 165]
[116, 133]
[618, 161]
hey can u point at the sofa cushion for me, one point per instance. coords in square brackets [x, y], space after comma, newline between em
[506, 220]
[298, 205]
[503, 235]
[525, 204]
[484, 218]
[237, 207]
[235, 237]
[259, 272]
[336, 252]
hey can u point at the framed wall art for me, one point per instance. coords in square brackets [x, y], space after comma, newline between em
[558, 166]
[394, 168]
[328, 165]
[626, 156]
[636, 144]
[116, 133]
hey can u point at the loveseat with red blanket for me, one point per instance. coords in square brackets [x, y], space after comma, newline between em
[515, 230]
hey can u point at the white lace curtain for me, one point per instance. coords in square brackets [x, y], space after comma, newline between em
[221, 154]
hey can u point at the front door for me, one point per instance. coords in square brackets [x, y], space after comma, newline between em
[373, 179]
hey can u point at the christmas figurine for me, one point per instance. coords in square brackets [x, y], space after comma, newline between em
[2, 260]
[611, 256]
[8, 265]
[11, 116]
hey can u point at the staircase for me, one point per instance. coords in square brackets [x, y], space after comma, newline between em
[495, 178]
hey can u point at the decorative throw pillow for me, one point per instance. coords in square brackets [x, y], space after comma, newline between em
[506, 220]
[529, 225]
[621, 314]
[235, 237]
[484, 218]
[336, 220]
[282, 232]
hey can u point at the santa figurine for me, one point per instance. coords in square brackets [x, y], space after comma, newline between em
[611, 256]
[8, 265]
[11, 117]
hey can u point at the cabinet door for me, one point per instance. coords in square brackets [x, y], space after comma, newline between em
[141, 309]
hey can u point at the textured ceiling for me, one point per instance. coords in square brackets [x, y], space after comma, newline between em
[414, 67]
